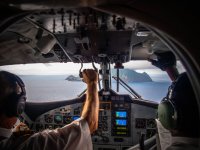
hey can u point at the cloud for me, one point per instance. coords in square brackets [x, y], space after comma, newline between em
[139, 65]
[45, 69]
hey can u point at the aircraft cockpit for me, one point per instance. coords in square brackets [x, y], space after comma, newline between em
[107, 41]
[122, 119]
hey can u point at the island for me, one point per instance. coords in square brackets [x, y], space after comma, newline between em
[129, 75]
[126, 75]
[73, 78]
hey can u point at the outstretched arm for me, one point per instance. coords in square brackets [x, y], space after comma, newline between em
[91, 107]
[166, 61]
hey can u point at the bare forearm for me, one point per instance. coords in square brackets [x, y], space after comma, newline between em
[91, 108]
[172, 72]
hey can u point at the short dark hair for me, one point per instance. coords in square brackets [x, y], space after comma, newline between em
[185, 101]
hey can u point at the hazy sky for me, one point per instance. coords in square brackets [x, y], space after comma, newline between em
[65, 68]
[71, 68]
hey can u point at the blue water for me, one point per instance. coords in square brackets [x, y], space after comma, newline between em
[154, 91]
[56, 88]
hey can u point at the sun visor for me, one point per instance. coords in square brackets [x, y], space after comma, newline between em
[46, 43]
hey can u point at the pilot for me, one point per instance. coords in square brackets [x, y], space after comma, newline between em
[74, 136]
[178, 111]
[179, 114]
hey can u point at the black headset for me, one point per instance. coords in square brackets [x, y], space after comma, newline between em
[167, 110]
[14, 103]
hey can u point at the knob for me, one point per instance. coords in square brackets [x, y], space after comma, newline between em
[105, 139]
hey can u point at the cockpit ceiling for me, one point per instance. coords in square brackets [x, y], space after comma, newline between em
[77, 35]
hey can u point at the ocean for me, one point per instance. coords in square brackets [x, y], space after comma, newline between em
[56, 88]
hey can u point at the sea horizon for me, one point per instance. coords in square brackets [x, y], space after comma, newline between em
[46, 88]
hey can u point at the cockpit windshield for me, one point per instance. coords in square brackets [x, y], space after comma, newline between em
[61, 81]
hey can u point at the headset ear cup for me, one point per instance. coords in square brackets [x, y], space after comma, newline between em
[15, 105]
[167, 115]
[21, 105]
[11, 107]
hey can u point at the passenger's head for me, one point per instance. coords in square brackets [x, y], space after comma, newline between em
[12, 95]
[178, 112]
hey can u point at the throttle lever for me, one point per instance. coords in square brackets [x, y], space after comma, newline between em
[97, 73]
[94, 67]
[80, 73]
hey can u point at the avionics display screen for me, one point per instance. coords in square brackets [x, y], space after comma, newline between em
[75, 117]
[121, 122]
[121, 114]
[58, 118]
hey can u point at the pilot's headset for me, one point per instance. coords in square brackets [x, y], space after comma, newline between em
[169, 114]
[14, 103]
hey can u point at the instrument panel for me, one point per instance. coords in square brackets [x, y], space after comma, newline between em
[122, 120]
[58, 117]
